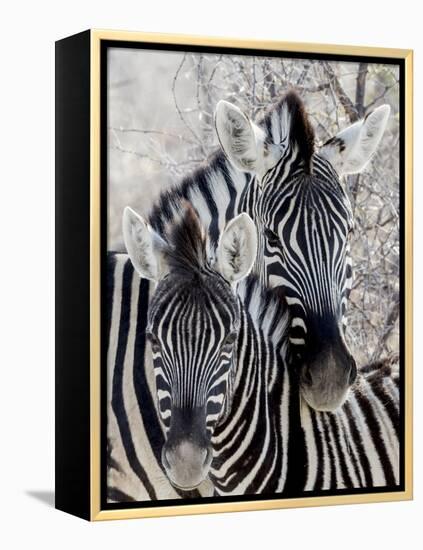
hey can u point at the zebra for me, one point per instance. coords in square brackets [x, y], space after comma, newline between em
[267, 170]
[304, 221]
[214, 191]
[134, 431]
[247, 430]
[219, 189]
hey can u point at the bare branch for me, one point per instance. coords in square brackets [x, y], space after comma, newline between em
[360, 89]
[178, 109]
[180, 137]
[346, 102]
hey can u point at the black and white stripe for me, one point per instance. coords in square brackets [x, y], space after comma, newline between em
[304, 221]
[310, 261]
[135, 432]
[358, 445]
[305, 224]
[214, 191]
[303, 216]
[271, 441]
[316, 298]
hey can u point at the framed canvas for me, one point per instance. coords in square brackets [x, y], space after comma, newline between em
[233, 275]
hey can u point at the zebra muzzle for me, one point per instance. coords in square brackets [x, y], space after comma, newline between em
[325, 381]
[186, 464]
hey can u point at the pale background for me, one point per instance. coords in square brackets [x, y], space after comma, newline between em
[27, 285]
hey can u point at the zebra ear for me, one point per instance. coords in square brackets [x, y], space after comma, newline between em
[237, 248]
[351, 149]
[145, 248]
[241, 140]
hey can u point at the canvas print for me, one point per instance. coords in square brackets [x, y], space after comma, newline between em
[252, 293]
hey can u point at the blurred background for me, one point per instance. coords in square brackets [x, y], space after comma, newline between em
[160, 127]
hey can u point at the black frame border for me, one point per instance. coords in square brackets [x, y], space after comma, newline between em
[124, 44]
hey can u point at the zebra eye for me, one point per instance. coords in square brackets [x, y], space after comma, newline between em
[152, 338]
[271, 236]
[230, 339]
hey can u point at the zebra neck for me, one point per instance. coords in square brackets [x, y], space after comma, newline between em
[214, 190]
[262, 346]
[267, 313]
[250, 443]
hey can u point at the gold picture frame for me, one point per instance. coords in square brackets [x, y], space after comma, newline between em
[91, 508]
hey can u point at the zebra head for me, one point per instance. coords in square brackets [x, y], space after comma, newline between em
[304, 219]
[193, 323]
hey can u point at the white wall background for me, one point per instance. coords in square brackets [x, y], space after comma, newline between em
[28, 32]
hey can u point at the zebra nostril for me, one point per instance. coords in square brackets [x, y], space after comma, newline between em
[353, 372]
[165, 460]
[208, 458]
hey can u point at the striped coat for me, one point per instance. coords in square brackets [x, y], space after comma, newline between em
[358, 446]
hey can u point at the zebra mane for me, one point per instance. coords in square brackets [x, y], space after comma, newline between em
[186, 252]
[202, 180]
[288, 117]
[267, 307]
